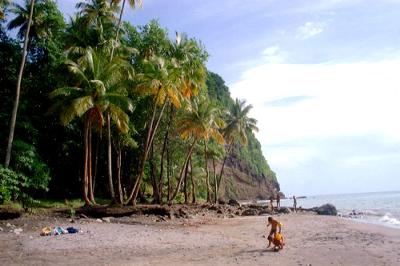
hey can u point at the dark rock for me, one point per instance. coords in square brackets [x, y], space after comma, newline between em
[233, 202]
[285, 210]
[326, 209]
[263, 212]
[250, 212]
[219, 211]
[221, 201]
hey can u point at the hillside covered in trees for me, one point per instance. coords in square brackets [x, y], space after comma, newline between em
[95, 107]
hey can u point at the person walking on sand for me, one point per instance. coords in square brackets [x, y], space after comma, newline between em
[278, 200]
[294, 204]
[274, 229]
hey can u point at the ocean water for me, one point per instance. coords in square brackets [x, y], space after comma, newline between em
[378, 207]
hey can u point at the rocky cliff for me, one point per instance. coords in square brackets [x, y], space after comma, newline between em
[247, 175]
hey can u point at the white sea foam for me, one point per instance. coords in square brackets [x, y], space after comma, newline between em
[390, 220]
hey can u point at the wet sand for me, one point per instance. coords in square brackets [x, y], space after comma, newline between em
[310, 240]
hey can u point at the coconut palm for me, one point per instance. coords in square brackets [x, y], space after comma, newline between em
[160, 81]
[115, 3]
[99, 85]
[202, 121]
[133, 4]
[237, 128]
[27, 26]
[99, 15]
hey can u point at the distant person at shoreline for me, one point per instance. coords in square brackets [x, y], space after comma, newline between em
[278, 200]
[271, 203]
[294, 203]
[274, 229]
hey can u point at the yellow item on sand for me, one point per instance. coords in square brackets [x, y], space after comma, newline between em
[46, 231]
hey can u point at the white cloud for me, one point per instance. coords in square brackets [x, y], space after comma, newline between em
[345, 100]
[310, 29]
[274, 55]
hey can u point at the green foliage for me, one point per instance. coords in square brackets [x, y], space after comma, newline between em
[250, 150]
[148, 71]
[9, 184]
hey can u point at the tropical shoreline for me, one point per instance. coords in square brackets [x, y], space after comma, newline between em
[201, 240]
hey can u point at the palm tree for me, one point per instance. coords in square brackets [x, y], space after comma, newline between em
[160, 80]
[25, 25]
[133, 4]
[237, 129]
[101, 86]
[99, 15]
[202, 121]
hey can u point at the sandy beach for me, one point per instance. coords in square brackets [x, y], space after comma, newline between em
[310, 240]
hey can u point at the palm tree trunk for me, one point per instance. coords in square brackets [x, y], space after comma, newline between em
[150, 137]
[119, 163]
[90, 175]
[207, 172]
[110, 178]
[96, 160]
[153, 178]
[181, 175]
[168, 174]
[223, 163]
[86, 161]
[164, 149]
[192, 179]
[118, 27]
[215, 181]
[18, 89]
[186, 184]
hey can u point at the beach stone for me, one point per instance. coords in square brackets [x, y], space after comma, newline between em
[233, 202]
[221, 201]
[17, 231]
[285, 210]
[106, 219]
[326, 209]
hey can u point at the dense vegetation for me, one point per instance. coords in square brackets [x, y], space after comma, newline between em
[111, 110]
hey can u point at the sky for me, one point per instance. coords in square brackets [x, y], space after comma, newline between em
[323, 77]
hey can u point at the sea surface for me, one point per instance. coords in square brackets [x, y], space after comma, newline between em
[377, 207]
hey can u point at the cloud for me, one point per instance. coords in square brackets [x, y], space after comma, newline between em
[274, 55]
[310, 29]
[288, 101]
[309, 107]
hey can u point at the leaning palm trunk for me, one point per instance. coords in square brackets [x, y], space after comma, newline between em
[223, 163]
[181, 175]
[18, 89]
[149, 139]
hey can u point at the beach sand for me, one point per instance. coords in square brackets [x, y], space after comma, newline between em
[310, 240]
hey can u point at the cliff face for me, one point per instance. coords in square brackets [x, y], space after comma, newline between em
[242, 183]
[247, 175]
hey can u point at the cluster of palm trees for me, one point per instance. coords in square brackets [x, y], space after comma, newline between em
[150, 95]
